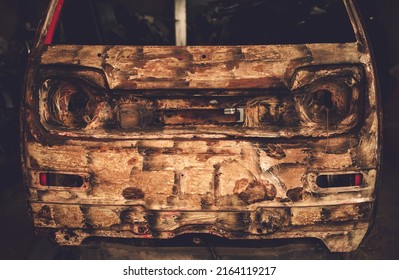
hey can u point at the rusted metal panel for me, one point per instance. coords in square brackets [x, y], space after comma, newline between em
[210, 67]
[133, 222]
[230, 166]
[225, 140]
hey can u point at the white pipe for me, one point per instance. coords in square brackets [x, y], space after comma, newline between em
[180, 23]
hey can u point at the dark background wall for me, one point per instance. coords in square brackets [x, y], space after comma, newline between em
[388, 16]
[9, 18]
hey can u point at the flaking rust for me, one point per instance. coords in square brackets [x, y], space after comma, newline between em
[223, 140]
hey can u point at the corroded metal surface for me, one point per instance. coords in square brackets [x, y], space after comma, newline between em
[219, 140]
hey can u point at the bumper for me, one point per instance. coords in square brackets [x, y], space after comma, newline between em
[233, 189]
[340, 227]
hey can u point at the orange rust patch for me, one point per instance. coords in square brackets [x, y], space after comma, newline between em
[241, 185]
[342, 213]
[306, 216]
[256, 191]
[132, 161]
[44, 215]
[133, 193]
[297, 194]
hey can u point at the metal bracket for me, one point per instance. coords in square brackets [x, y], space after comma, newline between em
[233, 111]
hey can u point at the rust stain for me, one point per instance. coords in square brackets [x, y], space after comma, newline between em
[255, 191]
[269, 221]
[45, 214]
[274, 151]
[133, 193]
[297, 194]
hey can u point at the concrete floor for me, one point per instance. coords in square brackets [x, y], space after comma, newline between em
[17, 239]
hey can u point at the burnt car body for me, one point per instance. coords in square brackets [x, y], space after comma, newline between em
[225, 132]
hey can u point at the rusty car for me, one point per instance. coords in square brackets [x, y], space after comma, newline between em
[243, 119]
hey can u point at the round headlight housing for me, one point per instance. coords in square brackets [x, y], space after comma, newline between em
[69, 104]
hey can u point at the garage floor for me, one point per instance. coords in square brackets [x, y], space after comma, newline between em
[17, 240]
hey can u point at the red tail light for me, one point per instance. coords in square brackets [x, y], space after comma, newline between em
[339, 180]
[43, 179]
[61, 180]
[358, 179]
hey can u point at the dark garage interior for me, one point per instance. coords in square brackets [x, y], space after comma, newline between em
[17, 239]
